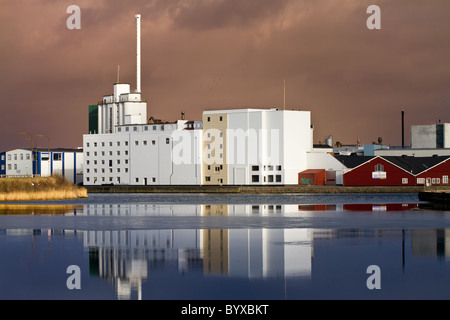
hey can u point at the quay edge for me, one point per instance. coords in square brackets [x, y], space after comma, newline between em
[288, 189]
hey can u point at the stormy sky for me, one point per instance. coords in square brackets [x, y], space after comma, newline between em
[215, 54]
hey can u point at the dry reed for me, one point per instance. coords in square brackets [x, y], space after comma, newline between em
[40, 188]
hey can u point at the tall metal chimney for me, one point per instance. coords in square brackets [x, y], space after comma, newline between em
[403, 129]
[138, 54]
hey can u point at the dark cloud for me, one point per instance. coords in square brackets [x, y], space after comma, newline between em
[226, 53]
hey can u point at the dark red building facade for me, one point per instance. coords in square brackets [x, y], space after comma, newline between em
[399, 171]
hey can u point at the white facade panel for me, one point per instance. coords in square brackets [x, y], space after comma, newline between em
[19, 163]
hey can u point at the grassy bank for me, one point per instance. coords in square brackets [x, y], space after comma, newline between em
[39, 188]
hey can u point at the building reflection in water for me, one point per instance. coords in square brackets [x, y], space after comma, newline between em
[126, 258]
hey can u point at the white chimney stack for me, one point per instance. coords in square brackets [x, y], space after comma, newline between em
[138, 54]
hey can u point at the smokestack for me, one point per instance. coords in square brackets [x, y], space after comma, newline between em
[138, 54]
[403, 129]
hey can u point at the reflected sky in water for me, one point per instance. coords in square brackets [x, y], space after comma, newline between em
[163, 248]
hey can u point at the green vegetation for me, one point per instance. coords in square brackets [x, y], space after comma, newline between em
[39, 188]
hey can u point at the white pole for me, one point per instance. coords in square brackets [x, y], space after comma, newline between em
[138, 54]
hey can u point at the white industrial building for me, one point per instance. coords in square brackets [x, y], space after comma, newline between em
[43, 162]
[255, 146]
[228, 147]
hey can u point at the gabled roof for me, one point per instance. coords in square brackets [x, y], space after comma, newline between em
[413, 165]
[353, 161]
[416, 165]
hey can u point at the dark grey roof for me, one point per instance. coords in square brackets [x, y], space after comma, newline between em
[353, 160]
[416, 165]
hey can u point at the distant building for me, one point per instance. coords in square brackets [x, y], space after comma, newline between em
[395, 171]
[435, 136]
[43, 162]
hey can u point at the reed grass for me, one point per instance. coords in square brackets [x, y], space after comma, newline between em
[39, 188]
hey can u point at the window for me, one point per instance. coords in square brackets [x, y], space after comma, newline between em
[146, 128]
[255, 178]
[278, 178]
[153, 142]
[167, 140]
[209, 119]
[136, 143]
[220, 118]
[404, 180]
[136, 179]
[255, 168]
[207, 179]
[420, 180]
[134, 128]
[110, 143]
[21, 156]
[9, 157]
[153, 179]
[118, 143]
[57, 157]
[95, 144]
[28, 156]
[15, 157]
[379, 168]
[145, 142]
[270, 178]
[9, 166]
[445, 179]
[87, 144]
[126, 143]
[110, 163]
[15, 166]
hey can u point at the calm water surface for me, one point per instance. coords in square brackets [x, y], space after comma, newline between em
[235, 247]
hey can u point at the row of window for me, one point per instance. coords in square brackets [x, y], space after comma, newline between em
[255, 178]
[56, 157]
[16, 156]
[103, 162]
[267, 168]
[125, 143]
[117, 179]
[269, 178]
[431, 180]
[147, 128]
